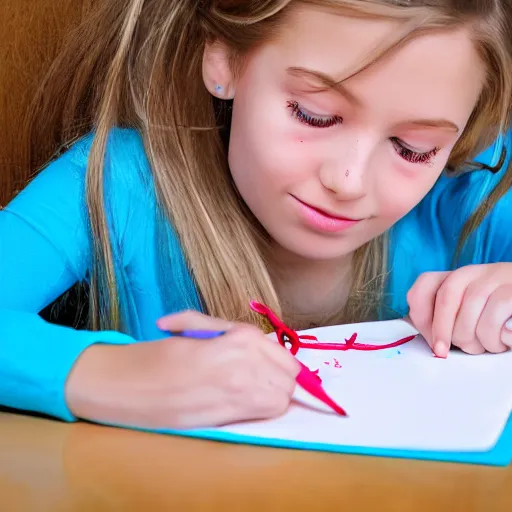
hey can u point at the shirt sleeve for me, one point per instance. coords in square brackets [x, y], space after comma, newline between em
[44, 250]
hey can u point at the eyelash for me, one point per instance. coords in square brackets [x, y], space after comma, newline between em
[316, 122]
[407, 154]
[413, 156]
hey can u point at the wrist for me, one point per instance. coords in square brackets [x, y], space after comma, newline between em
[89, 390]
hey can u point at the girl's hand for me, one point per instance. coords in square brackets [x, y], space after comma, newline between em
[184, 383]
[470, 308]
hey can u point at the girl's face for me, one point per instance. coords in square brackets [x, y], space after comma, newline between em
[326, 167]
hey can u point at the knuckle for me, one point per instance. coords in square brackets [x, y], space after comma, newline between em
[497, 315]
[411, 298]
[496, 271]
[490, 340]
[472, 272]
[498, 308]
[445, 294]
[282, 402]
[497, 348]
[262, 402]
[274, 404]
[473, 349]
[245, 332]
[467, 340]
[266, 400]
[463, 339]
[419, 317]
[474, 294]
[466, 270]
[424, 278]
[504, 294]
[420, 296]
[415, 293]
[245, 336]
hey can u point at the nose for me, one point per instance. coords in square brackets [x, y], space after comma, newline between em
[343, 173]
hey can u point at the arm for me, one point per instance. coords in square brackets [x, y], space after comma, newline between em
[43, 251]
[106, 376]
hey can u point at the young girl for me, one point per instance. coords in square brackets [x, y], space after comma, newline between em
[337, 160]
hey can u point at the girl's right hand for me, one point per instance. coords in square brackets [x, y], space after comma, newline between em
[184, 383]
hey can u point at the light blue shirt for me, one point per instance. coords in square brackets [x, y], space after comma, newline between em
[45, 249]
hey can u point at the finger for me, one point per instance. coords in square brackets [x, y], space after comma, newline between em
[473, 348]
[267, 404]
[282, 357]
[189, 320]
[279, 380]
[271, 388]
[448, 302]
[276, 398]
[274, 352]
[506, 334]
[473, 304]
[495, 315]
[281, 405]
[421, 299]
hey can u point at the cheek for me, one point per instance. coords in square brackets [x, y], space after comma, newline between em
[403, 191]
[263, 158]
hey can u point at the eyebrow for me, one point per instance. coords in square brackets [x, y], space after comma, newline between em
[434, 123]
[328, 82]
[325, 82]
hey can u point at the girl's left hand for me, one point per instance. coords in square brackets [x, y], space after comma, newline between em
[470, 308]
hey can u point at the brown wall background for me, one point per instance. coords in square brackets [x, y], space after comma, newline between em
[31, 34]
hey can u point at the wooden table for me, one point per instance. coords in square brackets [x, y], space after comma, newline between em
[51, 466]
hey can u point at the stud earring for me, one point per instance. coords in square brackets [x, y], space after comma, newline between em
[219, 89]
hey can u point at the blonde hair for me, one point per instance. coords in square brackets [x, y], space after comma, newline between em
[137, 63]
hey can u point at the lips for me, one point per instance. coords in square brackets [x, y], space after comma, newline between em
[326, 213]
[320, 220]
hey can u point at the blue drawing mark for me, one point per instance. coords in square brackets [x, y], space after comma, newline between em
[393, 354]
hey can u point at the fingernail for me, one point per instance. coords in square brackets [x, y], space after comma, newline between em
[441, 349]
[508, 325]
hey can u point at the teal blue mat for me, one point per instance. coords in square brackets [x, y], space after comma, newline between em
[499, 455]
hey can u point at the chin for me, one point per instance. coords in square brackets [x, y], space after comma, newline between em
[317, 250]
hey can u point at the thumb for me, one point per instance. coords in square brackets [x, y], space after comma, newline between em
[192, 320]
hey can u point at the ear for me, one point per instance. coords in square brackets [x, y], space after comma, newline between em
[217, 74]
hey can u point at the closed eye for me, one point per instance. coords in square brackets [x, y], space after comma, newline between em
[312, 120]
[412, 156]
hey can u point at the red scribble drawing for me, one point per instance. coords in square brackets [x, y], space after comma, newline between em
[337, 364]
[289, 338]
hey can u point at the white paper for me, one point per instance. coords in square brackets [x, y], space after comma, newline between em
[400, 398]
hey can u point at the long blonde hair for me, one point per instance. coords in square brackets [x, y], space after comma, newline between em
[137, 63]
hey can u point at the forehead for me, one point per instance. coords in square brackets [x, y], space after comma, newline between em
[437, 74]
